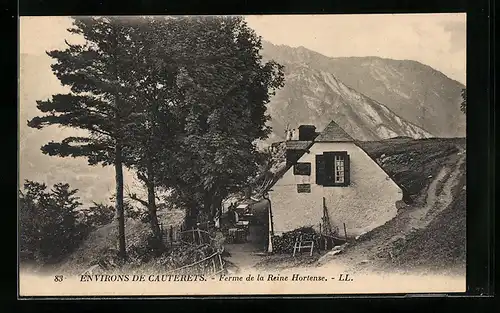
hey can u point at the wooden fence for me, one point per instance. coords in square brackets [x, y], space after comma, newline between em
[175, 235]
[210, 265]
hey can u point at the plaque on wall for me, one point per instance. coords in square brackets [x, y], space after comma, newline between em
[303, 188]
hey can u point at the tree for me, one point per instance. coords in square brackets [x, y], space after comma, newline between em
[463, 104]
[97, 215]
[223, 91]
[97, 72]
[153, 131]
[49, 225]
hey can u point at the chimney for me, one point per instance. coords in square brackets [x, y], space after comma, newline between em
[307, 132]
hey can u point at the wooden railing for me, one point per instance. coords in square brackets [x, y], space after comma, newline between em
[173, 235]
[210, 265]
[196, 237]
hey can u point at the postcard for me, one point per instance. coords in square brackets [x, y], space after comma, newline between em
[242, 155]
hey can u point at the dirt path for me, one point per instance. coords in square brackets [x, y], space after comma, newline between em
[242, 256]
[372, 252]
[439, 195]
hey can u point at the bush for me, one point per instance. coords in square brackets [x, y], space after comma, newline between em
[53, 223]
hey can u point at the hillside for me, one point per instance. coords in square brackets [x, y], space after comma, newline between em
[429, 234]
[413, 91]
[102, 244]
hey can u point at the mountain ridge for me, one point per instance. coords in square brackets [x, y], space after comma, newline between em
[314, 95]
[412, 90]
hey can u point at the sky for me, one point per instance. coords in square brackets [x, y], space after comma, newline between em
[438, 40]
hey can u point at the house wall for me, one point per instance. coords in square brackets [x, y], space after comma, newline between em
[368, 202]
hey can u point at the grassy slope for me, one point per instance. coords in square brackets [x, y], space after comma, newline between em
[440, 244]
[104, 240]
[413, 164]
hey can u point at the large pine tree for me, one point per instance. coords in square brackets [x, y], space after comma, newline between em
[99, 102]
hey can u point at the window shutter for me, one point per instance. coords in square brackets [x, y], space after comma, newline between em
[347, 169]
[320, 169]
[329, 161]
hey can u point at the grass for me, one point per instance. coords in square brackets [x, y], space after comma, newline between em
[103, 242]
[442, 244]
[413, 164]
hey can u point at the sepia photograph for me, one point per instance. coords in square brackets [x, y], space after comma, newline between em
[242, 155]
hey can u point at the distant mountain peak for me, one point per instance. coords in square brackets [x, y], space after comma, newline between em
[413, 91]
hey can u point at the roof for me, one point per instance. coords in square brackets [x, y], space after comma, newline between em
[297, 144]
[333, 132]
[293, 144]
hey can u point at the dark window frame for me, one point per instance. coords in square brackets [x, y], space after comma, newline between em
[304, 172]
[328, 176]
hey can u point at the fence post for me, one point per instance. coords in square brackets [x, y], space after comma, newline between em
[345, 232]
[220, 261]
[200, 239]
[213, 265]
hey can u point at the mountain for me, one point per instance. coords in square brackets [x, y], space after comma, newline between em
[412, 91]
[314, 95]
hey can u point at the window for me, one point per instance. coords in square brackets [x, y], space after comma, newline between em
[303, 188]
[333, 169]
[302, 169]
[339, 169]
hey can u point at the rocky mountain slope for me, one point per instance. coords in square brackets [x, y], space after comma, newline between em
[349, 89]
[312, 96]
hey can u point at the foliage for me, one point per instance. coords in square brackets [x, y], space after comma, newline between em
[52, 222]
[97, 215]
[180, 100]
[152, 133]
[100, 101]
[223, 92]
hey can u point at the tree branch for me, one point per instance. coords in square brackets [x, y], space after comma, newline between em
[133, 196]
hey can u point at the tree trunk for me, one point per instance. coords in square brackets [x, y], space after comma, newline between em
[207, 206]
[120, 216]
[153, 217]
[191, 217]
[216, 206]
[248, 192]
